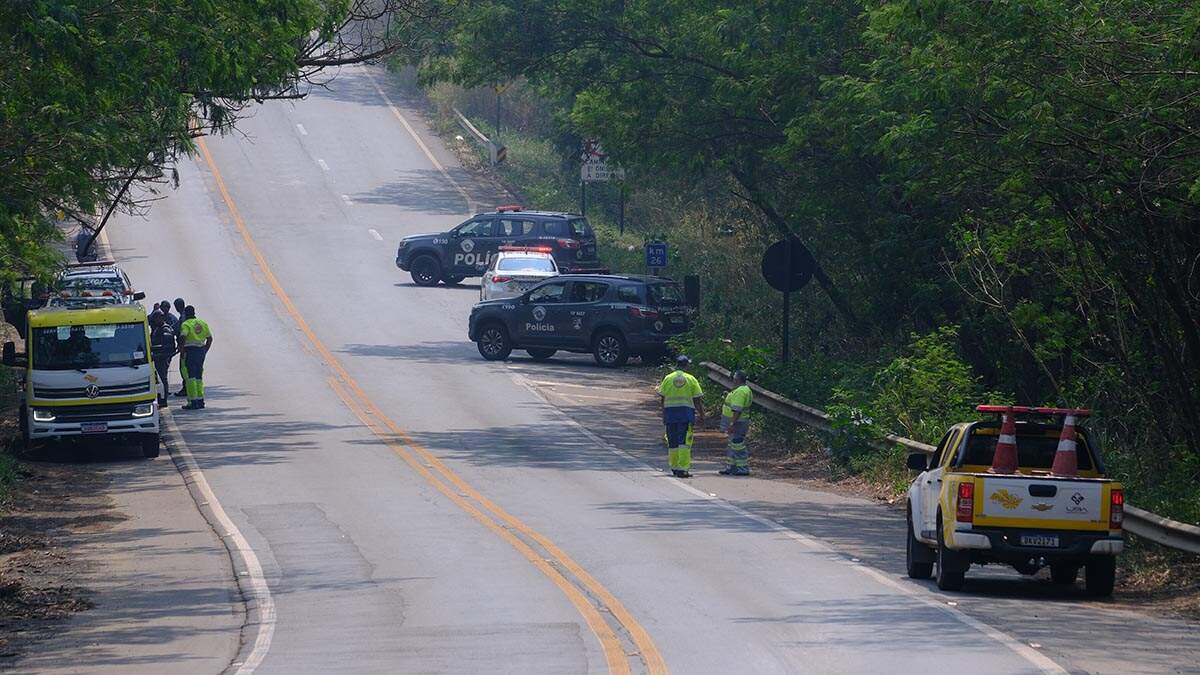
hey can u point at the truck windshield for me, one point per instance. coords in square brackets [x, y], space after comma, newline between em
[1035, 450]
[98, 346]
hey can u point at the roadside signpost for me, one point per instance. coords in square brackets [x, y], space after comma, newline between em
[656, 256]
[594, 168]
[788, 267]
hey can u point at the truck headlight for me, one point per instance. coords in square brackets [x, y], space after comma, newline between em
[43, 415]
[143, 409]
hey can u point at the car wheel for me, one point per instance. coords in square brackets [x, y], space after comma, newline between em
[541, 353]
[1064, 575]
[610, 350]
[951, 565]
[452, 279]
[918, 557]
[150, 446]
[1100, 575]
[426, 271]
[494, 343]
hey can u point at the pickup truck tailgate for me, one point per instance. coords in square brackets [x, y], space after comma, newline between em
[1053, 503]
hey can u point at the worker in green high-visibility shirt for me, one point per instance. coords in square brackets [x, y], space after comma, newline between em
[683, 406]
[195, 339]
[736, 426]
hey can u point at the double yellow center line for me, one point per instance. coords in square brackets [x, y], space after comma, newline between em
[608, 619]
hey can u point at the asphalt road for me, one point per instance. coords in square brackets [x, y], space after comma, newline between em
[416, 509]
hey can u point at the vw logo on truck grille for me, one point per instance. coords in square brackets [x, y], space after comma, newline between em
[92, 391]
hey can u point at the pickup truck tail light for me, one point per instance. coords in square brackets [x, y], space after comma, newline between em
[571, 244]
[966, 503]
[643, 313]
[1116, 509]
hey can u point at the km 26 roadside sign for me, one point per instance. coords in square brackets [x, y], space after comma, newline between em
[656, 255]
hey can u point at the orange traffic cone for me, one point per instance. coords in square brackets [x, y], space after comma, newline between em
[1066, 460]
[1005, 458]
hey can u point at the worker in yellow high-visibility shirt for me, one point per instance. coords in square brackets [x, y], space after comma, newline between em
[736, 426]
[683, 406]
[195, 339]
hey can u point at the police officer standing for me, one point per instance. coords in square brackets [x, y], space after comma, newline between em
[162, 348]
[195, 338]
[683, 406]
[736, 426]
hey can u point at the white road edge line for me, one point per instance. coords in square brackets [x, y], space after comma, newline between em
[378, 237]
[301, 129]
[1042, 662]
[471, 208]
[257, 597]
[323, 164]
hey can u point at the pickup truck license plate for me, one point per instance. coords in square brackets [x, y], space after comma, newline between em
[1042, 540]
[93, 427]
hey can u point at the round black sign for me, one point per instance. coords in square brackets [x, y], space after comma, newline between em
[775, 266]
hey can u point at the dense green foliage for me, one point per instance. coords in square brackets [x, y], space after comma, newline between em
[97, 96]
[1028, 172]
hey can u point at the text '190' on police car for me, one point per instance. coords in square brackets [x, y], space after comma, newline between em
[516, 269]
[466, 250]
[613, 317]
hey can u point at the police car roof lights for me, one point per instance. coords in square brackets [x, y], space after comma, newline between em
[509, 208]
[526, 249]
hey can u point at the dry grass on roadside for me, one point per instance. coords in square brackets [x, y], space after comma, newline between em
[1151, 574]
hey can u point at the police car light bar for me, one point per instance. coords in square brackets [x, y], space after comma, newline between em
[95, 263]
[508, 208]
[1032, 410]
[528, 249]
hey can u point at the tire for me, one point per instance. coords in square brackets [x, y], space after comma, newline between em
[1064, 575]
[610, 350]
[494, 343]
[1100, 576]
[917, 556]
[150, 446]
[452, 279]
[426, 271]
[541, 353]
[951, 565]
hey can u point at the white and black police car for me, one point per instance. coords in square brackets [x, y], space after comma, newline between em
[612, 317]
[466, 250]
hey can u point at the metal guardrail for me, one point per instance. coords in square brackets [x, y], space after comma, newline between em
[496, 151]
[1170, 533]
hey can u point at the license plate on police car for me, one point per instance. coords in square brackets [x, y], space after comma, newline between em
[93, 427]
[1040, 540]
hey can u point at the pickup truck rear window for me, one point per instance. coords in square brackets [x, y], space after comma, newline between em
[1034, 451]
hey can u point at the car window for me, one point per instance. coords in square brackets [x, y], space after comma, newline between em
[548, 293]
[475, 228]
[664, 295]
[588, 291]
[580, 228]
[525, 264]
[556, 228]
[936, 460]
[511, 227]
[629, 294]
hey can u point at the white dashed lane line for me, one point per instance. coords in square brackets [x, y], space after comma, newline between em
[346, 198]
[301, 129]
[323, 164]
[378, 237]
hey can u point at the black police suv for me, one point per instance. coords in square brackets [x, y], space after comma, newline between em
[466, 250]
[613, 317]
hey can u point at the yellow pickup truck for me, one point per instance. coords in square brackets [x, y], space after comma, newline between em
[1043, 503]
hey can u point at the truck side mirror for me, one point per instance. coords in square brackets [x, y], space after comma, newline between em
[10, 353]
[139, 296]
[918, 461]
